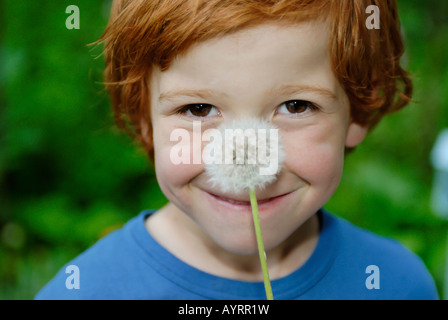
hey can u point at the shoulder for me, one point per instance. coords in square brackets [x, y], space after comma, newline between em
[400, 273]
[101, 272]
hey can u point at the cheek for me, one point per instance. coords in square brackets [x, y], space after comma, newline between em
[317, 157]
[173, 177]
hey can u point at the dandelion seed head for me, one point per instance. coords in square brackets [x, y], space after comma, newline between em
[249, 146]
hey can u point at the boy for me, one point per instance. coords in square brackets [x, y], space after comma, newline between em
[316, 72]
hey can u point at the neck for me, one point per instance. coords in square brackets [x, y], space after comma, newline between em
[191, 245]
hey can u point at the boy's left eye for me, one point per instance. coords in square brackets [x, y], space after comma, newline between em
[296, 107]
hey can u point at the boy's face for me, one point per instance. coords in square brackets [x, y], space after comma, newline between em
[281, 73]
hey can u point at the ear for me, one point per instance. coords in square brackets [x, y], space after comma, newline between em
[355, 134]
[146, 131]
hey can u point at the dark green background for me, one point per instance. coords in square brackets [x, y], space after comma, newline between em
[68, 177]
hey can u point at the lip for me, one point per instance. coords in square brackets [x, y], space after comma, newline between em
[263, 205]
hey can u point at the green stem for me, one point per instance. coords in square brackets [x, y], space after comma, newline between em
[261, 251]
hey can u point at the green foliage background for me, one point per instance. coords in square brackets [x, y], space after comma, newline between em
[68, 177]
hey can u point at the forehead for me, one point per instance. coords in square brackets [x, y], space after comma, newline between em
[258, 58]
[307, 40]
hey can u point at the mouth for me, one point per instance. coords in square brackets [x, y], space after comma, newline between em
[246, 204]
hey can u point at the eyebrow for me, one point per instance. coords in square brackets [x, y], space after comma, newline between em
[201, 94]
[288, 90]
[285, 90]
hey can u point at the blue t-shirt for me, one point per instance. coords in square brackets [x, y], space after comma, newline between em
[347, 263]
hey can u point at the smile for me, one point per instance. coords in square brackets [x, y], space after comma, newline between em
[263, 203]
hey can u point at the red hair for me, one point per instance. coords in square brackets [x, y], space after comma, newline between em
[143, 33]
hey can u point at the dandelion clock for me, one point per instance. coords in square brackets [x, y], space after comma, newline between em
[248, 157]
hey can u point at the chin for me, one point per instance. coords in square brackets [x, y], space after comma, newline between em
[249, 249]
[239, 243]
[244, 243]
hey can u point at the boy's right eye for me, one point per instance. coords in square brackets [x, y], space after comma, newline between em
[200, 110]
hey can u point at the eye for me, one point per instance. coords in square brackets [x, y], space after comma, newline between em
[199, 110]
[296, 107]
